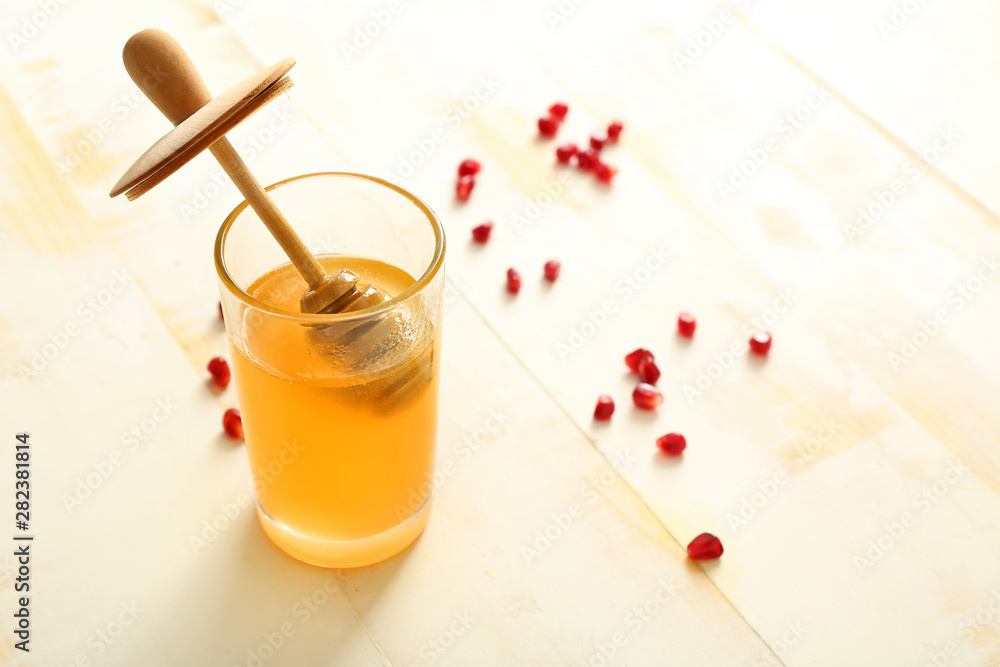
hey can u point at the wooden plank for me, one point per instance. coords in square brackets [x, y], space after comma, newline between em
[911, 67]
[895, 432]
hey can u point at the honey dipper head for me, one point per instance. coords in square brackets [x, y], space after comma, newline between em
[331, 294]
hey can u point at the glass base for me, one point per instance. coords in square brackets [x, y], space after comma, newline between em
[345, 553]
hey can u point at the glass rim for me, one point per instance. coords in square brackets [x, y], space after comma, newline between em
[434, 265]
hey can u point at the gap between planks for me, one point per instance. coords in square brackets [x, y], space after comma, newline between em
[593, 443]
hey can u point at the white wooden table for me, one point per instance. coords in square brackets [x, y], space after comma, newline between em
[853, 476]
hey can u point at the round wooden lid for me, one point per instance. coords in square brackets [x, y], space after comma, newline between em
[203, 128]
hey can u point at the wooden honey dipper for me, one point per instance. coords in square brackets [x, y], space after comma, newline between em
[165, 74]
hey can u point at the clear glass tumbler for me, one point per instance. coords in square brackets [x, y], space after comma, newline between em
[339, 411]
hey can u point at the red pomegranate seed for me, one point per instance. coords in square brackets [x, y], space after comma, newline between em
[648, 372]
[614, 129]
[605, 408]
[559, 111]
[219, 368]
[547, 127]
[672, 444]
[636, 357]
[221, 315]
[469, 168]
[646, 397]
[705, 547]
[686, 324]
[481, 234]
[587, 160]
[597, 143]
[552, 270]
[513, 281]
[604, 173]
[760, 343]
[564, 153]
[233, 423]
[464, 187]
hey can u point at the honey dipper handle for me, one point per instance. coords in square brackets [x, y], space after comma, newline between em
[162, 70]
[164, 73]
[265, 208]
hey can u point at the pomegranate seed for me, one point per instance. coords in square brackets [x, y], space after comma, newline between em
[636, 357]
[513, 281]
[219, 368]
[233, 423]
[605, 408]
[587, 160]
[221, 315]
[547, 127]
[552, 270]
[705, 547]
[564, 153]
[558, 111]
[760, 343]
[648, 372]
[481, 234]
[672, 444]
[686, 324]
[604, 173]
[469, 168]
[646, 397]
[614, 129]
[464, 187]
[597, 143]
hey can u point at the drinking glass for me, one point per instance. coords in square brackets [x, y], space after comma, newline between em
[339, 411]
